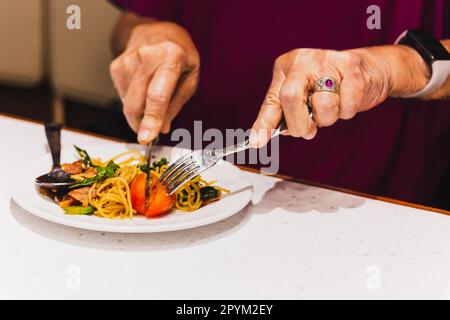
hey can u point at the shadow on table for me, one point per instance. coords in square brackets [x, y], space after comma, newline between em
[298, 198]
[129, 242]
[289, 196]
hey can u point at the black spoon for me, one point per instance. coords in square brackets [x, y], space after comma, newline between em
[57, 178]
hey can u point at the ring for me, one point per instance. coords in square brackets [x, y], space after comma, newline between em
[326, 84]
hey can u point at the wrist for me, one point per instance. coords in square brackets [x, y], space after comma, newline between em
[155, 32]
[409, 73]
[446, 44]
[377, 69]
[158, 31]
[123, 30]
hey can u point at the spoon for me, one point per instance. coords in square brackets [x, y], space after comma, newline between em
[57, 178]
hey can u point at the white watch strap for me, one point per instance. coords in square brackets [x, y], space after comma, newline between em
[440, 73]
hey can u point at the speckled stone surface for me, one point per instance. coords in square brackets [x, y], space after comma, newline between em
[293, 241]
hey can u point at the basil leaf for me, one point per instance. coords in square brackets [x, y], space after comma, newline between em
[78, 210]
[144, 168]
[155, 165]
[209, 193]
[160, 163]
[85, 183]
[102, 173]
[111, 168]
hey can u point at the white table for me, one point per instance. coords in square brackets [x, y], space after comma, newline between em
[293, 242]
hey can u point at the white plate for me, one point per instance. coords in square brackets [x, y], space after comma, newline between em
[25, 194]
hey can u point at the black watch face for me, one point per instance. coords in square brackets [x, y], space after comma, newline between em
[427, 45]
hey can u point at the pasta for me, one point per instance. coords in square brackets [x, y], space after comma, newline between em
[112, 198]
[105, 189]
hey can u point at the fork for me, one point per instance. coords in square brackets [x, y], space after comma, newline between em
[194, 163]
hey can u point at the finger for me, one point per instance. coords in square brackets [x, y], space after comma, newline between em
[326, 108]
[118, 77]
[183, 93]
[351, 94]
[122, 70]
[134, 100]
[270, 113]
[159, 95]
[294, 99]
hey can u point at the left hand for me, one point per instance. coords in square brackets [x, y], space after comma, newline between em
[366, 77]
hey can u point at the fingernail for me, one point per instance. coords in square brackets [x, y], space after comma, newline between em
[166, 128]
[144, 136]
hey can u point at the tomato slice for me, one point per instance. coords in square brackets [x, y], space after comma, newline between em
[160, 201]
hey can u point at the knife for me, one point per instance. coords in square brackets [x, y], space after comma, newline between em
[149, 165]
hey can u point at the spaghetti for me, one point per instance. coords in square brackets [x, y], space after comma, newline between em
[111, 198]
[103, 188]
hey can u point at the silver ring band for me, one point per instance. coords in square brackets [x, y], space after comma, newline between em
[326, 84]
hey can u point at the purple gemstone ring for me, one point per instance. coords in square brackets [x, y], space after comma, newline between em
[326, 84]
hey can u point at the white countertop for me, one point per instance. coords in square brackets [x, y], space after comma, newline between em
[293, 242]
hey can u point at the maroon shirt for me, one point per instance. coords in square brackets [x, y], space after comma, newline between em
[399, 149]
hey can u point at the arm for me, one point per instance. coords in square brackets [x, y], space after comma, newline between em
[409, 73]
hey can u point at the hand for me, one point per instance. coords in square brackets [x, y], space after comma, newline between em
[366, 78]
[155, 76]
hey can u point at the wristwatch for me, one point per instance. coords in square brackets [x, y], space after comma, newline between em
[435, 55]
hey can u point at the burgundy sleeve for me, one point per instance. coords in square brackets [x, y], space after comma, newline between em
[158, 9]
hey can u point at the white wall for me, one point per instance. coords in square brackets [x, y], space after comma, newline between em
[79, 59]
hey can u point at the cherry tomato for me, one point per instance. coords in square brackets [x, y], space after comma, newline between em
[160, 201]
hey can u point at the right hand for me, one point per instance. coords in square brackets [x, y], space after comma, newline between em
[367, 77]
[155, 76]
